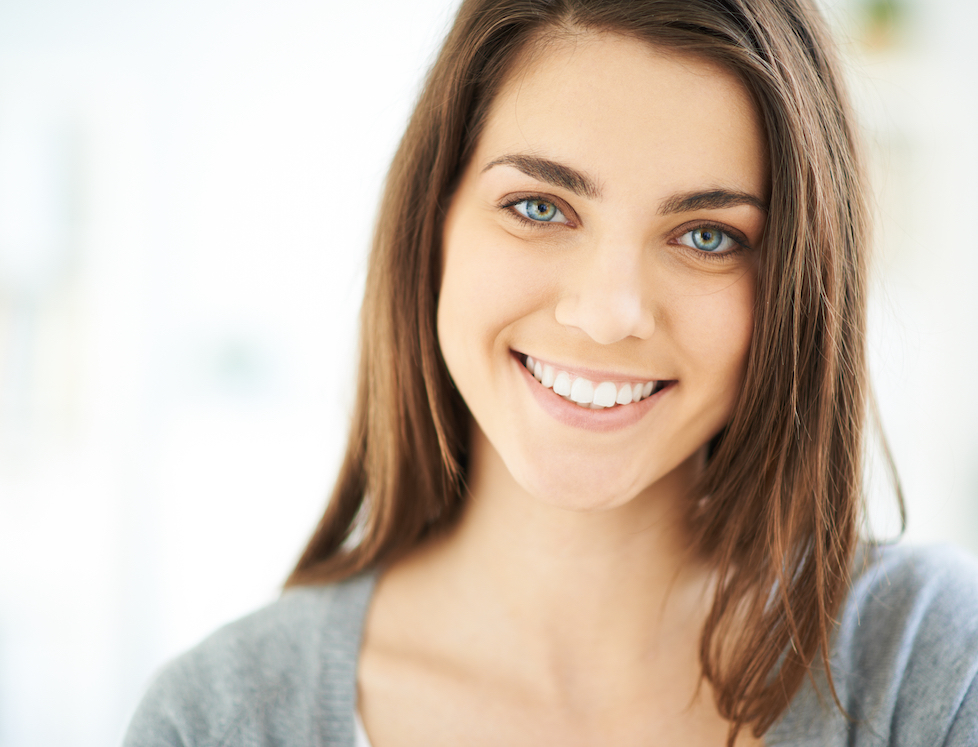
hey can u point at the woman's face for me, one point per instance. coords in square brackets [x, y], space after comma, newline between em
[607, 227]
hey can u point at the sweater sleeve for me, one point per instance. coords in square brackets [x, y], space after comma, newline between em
[904, 658]
[156, 724]
[285, 675]
[201, 699]
[964, 727]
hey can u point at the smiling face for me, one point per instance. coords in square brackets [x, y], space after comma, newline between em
[605, 235]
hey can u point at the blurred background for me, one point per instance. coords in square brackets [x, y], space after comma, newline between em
[186, 196]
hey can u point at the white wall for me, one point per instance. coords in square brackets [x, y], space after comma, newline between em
[186, 195]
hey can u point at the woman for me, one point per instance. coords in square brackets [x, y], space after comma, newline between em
[603, 479]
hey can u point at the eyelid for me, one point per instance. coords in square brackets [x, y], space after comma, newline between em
[507, 203]
[737, 236]
[515, 198]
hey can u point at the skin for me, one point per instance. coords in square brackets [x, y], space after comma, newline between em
[566, 606]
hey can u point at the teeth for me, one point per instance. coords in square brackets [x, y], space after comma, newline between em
[585, 392]
[582, 391]
[562, 384]
[605, 394]
[624, 396]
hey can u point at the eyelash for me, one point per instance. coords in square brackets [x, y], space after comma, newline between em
[738, 239]
[512, 202]
[740, 242]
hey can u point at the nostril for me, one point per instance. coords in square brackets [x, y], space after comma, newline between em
[606, 319]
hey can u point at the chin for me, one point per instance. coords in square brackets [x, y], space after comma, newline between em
[575, 484]
[571, 490]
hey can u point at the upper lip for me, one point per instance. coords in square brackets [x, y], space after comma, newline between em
[592, 374]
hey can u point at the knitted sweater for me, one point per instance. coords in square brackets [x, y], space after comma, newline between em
[904, 662]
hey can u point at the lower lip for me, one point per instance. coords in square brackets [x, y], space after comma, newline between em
[605, 420]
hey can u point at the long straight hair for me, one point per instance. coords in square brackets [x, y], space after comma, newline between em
[781, 494]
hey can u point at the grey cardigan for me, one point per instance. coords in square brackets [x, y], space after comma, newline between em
[905, 662]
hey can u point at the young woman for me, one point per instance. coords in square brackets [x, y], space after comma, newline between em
[603, 480]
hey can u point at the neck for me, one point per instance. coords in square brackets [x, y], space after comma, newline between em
[574, 590]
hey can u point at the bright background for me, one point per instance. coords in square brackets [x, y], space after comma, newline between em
[186, 195]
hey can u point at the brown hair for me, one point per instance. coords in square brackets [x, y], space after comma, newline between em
[783, 479]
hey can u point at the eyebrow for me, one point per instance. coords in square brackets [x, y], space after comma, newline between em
[550, 172]
[574, 181]
[714, 199]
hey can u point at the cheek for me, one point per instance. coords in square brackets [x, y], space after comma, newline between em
[490, 281]
[717, 329]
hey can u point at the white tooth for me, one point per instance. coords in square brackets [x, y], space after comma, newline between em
[636, 392]
[647, 389]
[605, 394]
[624, 395]
[529, 363]
[548, 376]
[582, 391]
[537, 371]
[562, 384]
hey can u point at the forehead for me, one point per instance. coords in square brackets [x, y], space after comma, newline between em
[632, 115]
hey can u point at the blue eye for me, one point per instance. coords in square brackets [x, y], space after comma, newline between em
[708, 239]
[540, 211]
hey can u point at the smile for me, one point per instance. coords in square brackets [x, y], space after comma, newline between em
[598, 395]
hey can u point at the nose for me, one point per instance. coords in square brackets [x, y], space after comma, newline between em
[607, 297]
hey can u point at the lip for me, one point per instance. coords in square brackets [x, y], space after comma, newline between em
[600, 421]
[591, 374]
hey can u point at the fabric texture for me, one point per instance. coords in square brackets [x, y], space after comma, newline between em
[904, 662]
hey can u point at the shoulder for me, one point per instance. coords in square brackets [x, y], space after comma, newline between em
[905, 654]
[910, 627]
[285, 674]
[910, 599]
